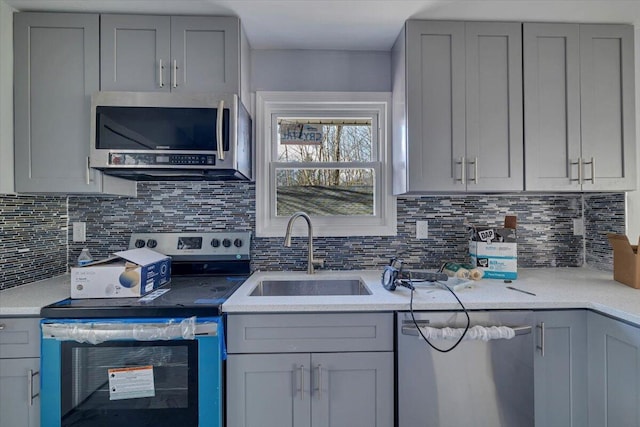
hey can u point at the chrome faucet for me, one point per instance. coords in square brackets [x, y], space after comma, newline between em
[287, 240]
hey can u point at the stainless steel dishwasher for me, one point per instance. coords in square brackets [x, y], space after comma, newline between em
[477, 384]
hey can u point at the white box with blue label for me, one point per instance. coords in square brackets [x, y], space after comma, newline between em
[495, 249]
[126, 274]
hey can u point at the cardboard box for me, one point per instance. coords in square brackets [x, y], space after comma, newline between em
[126, 274]
[495, 249]
[626, 262]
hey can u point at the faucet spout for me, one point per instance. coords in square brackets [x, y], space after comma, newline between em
[287, 239]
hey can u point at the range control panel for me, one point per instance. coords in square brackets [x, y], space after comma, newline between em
[196, 245]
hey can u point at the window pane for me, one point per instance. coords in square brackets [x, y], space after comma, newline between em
[324, 140]
[323, 192]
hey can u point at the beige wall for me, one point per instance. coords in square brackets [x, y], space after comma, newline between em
[6, 98]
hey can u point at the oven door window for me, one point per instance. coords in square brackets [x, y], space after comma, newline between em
[159, 388]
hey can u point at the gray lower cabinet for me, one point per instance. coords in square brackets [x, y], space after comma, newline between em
[19, 372]
[457, 87]
[170, 53]
[317, 370]
[560, 367]
[579, 107]
[56, 57]
[614, 372]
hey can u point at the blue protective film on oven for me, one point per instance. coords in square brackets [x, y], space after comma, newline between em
[210, 379]
[50, 365]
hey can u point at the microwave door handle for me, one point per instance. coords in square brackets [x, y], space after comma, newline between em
[219, 129]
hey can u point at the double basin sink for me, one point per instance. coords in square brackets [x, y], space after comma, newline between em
[310, 287]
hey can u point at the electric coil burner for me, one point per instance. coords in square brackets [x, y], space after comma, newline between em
[206, 268]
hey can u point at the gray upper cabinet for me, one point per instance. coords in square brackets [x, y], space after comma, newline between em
[579, 107]
[56, 58]
[457, 88]
[170, 53]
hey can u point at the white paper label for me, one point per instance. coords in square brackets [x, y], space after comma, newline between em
[131, 383]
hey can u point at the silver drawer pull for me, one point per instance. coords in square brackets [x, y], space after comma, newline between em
[30, 376]
[319, 381]
[541, 346]
[2, 326]
[301, 382]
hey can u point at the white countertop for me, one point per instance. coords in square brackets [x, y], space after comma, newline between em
[27, 300]
[555, 288]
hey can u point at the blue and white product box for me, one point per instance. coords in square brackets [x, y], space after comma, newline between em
[126, 274]
[495, 250]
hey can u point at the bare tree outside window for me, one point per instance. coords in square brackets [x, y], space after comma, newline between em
[324, 178]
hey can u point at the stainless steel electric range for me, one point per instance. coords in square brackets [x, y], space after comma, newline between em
[206, 268]
[150, 361]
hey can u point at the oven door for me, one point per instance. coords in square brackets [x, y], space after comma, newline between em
[136, 373]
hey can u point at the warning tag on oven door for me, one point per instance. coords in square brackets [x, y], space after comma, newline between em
[131, 383]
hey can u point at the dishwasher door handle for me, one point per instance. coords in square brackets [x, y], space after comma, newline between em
[411, 329]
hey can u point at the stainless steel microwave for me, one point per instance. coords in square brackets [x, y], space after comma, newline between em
[167, 136]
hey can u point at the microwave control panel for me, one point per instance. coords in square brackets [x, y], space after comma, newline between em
[152, 159]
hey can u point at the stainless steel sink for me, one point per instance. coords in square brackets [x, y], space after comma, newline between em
[310, 287]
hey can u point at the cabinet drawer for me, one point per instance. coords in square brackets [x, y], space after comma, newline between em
[19, 337]
[317, 332]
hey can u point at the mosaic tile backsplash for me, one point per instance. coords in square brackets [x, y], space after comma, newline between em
[545, 228]
[33, 238]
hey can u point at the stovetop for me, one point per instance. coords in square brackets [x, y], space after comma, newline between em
[206, 269]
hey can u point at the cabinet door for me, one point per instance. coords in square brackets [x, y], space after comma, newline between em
[56, 72]
[614, 372]
[352, 389]
[551, 106]
[494, 144]
[268, 390]
[560, 369]
[135, 53]
[19, 385]
[608, 107]
[435, 56]
[205, 54]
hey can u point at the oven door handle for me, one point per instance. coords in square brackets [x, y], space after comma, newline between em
[96, 332]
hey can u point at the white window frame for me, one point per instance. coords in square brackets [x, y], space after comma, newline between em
[272, 104]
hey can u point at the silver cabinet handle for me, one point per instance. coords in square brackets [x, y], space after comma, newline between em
[219, 123]
[579, 163]
[88, 171]
[593, 170]
[319, 381]
[174, 82]
[160, 74]
[463, 170]
[30, 376]
[2, 326]
[474, 162]
[541, 346]
[301, 382]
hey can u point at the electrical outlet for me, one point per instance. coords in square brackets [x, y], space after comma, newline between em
[422, 229]
[79, 231]
[578, 227]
